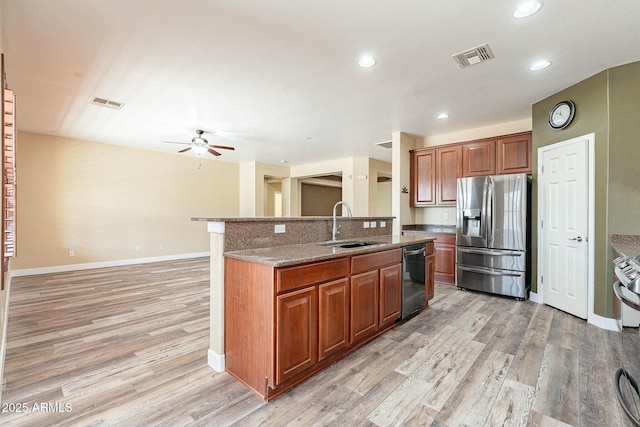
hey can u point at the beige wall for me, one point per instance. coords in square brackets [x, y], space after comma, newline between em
[359, 181]
[401, 144]
[110, 203]
[379, 194]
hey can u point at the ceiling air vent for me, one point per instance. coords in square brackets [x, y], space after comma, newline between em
[385, 144]
[107, 103]
[473, 56]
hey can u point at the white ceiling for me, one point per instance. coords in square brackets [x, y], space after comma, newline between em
[279, 79]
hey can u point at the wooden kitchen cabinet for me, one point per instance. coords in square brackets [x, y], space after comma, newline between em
[434, 171]
[514, 154]
[283, 324]
[376, 286]
[433, 175]
[429, 270]
[390, 295]
[297, 326]
[448, 170]
[364, 305]
[479, 158]
[445, 259]
[423, 177]
[333, 317]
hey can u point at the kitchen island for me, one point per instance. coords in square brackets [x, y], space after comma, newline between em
[292, 310]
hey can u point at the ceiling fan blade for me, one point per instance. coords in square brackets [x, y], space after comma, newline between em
[184, 149]
[224, 147]
[174, 142]
[214, 152]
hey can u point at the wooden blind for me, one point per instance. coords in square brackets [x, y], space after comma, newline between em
[9, 134]
[9, 176]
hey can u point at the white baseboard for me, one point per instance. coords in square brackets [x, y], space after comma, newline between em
[102, 264]
[603, 322]
[595, 319]
[534, 297]
[216, 361]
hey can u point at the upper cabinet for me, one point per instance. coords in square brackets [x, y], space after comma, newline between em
[423, 177]
[513, 154]
[479, 158]
[434, 171]
[448, 170]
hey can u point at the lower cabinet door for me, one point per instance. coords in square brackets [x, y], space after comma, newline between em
[429, 285]
[333, 317]
[364, 305]
[390, 294]
[297, 336]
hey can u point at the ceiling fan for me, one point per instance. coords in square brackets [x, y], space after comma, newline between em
[200, 145]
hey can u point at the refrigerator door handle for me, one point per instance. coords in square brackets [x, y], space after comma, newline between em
[488, 211]
[486, 252]
[489, 272]
[483, 217]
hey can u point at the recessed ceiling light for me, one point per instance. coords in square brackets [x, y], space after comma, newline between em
[540, 65]
[443, 116]
[284, 161]
[527, 8]
[367, 61]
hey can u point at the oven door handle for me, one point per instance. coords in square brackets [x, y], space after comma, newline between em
[487, 252]
[620, 372]
[622, 297]
[489, 272]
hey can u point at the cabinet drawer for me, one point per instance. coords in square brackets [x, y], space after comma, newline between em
[360, 263]
[303, 275]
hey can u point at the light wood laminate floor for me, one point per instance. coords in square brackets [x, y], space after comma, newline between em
[127, 346]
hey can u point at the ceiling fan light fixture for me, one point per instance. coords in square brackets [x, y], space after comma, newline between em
[199, 149]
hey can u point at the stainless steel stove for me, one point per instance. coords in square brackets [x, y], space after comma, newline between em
[627, 290]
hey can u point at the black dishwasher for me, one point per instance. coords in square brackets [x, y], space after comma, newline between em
[413, 286]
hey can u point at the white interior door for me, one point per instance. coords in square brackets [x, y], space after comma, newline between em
[563, 195]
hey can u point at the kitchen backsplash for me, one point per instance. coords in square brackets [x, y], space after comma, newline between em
[436, 215]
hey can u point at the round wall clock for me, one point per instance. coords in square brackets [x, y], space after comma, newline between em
[562, 114]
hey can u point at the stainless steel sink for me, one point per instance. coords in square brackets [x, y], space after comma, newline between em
[348, 245]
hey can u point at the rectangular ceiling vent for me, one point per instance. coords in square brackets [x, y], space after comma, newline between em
[101, 102]
[473, 56]
[385, 144]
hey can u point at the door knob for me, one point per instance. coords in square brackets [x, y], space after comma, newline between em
[579, 239]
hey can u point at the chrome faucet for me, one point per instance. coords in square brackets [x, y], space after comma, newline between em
[335, 231]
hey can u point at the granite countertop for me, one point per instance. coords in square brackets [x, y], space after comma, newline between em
[282, 256]
[626, 244]
[285, 218]
[430, 228]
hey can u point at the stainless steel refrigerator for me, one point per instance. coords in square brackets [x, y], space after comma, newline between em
[493, 234]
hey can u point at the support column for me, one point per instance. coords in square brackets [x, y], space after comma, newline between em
[216, 301]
